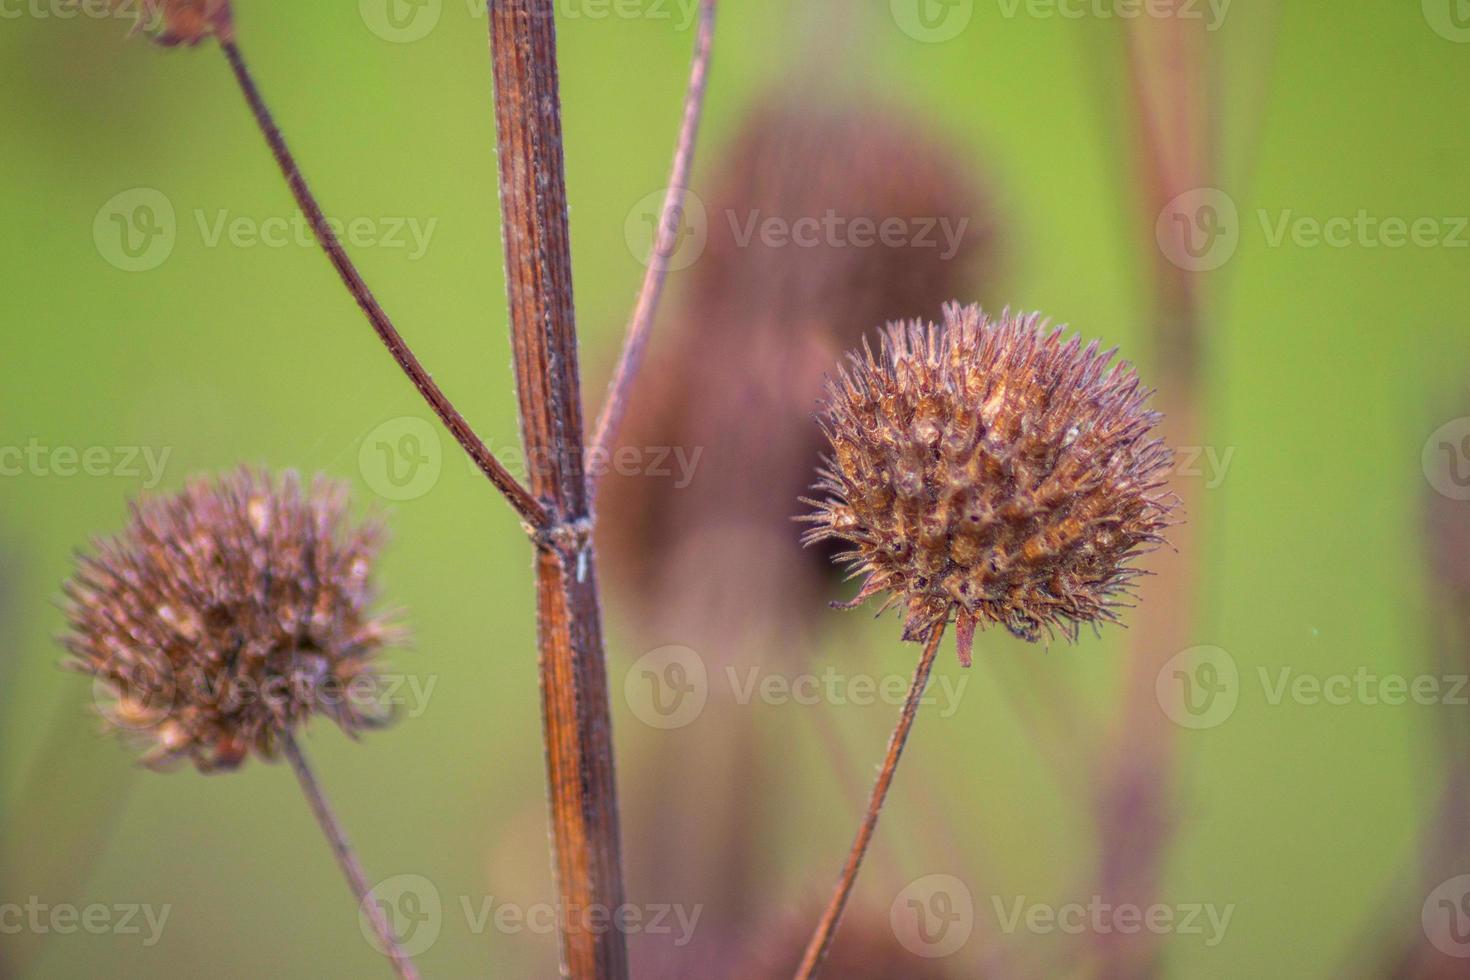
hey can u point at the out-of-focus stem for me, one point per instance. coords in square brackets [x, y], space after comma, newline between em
[821, 940]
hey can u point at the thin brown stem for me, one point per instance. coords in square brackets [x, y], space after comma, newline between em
[640, 324]
[346, 858]
[576, 714]
[821, 940]
[530, 509]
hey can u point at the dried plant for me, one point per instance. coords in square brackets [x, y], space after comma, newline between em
[734, 372]
[182, 22]
[225, 616]
[983, 471]
[987, 471]
[991, 472]
[742, 360]
[555, 508]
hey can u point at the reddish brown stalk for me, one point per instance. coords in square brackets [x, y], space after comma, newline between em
[1176, 152]
[574, 694]
[821, 940]
[346, 858]
[531, 510]
[640, 324]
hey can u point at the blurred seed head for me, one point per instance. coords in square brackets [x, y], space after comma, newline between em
[228, 614]
[734, 371]
[182, 22]
[991, 471]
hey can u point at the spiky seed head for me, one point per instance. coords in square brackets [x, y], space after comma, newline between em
[993, 471]
[227, 614]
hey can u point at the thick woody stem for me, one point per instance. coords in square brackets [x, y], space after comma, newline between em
[821, 940]
[574, 693]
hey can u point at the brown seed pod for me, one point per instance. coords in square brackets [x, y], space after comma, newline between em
[226, 615]
[753, 331]
[991, 471]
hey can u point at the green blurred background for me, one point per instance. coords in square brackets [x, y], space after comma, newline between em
[1328, 369]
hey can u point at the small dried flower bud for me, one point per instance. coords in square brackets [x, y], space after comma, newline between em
[991, 471]
[226, 615]
[187, 22]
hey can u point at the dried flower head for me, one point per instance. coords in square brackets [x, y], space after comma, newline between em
[751, 335]
[991, 471]
[187, 22]
[227, 614]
